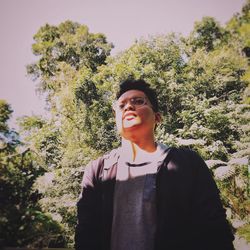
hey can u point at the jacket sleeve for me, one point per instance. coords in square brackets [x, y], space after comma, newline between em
[211, 229]
[87, 233]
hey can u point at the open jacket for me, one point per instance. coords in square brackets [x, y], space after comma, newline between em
[190, 215]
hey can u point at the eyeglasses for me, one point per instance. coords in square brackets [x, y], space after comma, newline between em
[137, 102]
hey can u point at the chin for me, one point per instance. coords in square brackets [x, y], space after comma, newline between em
[131, 126]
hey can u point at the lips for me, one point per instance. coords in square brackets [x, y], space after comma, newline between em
[129, 116]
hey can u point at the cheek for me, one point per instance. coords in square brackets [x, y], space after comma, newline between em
[146, 115]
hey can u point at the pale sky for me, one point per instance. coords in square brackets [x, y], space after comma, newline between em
[122, 21]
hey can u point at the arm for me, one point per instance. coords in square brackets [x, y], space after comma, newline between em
[211, 229]
[87, 233]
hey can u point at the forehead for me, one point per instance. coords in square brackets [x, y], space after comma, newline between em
[131, 93]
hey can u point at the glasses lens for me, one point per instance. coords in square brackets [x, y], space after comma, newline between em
[121, 105]
[137, 101]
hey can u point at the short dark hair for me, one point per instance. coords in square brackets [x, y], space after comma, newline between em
[141, 85]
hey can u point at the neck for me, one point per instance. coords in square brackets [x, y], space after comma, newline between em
[136, 149]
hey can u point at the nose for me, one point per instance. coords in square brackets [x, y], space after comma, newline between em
[129, 106]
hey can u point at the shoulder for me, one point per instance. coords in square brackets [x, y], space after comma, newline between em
[93, 171]
[104, 161]
[189, 167]
[183, 152]
[186, 157]
[111, 157]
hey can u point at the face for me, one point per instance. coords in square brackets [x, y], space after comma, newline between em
[134, 116]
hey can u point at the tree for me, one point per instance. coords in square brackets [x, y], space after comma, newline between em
[201, 81]
[69, 56]
[22, 221]
[69, 43]
[207, 34]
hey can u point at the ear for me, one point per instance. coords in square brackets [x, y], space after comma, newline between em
[158, 118]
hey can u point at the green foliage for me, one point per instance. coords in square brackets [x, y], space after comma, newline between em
[44, 139]
[202, 82]
[22, 223]
[239, 26]
[207, 34]
[244, 232]
[59, 189]
[69, 56]
[5, 112]
[68, 42]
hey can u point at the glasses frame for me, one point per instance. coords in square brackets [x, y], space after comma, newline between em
[116, 106]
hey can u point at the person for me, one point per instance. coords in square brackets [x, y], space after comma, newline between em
[145, 195]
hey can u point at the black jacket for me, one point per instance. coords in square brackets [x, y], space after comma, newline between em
[190, 215]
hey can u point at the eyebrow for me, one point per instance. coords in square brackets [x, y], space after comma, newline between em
[130, 98]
